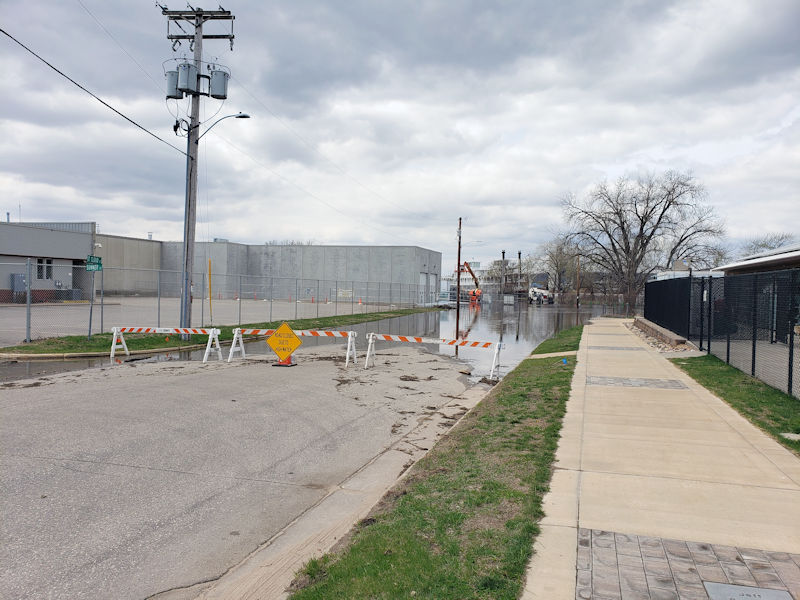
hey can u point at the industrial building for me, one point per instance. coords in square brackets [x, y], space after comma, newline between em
[140, 266]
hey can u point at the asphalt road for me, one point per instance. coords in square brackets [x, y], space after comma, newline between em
[126, 481]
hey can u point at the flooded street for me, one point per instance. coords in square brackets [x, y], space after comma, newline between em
[520, 327]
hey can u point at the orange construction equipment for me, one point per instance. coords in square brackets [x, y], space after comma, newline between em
[474, 295]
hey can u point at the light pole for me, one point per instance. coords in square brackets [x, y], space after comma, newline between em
[190, 212]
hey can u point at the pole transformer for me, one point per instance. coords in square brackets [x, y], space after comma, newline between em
[196, 18]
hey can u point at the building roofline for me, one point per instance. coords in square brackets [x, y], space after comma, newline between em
[763, 261]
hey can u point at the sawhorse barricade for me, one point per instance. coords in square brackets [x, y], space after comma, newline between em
[238, 341]
[380, 337]
[118, 341]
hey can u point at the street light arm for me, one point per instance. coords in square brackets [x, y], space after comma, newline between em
[236, 116]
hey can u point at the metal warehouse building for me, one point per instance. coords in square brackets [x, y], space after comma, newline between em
[148, 267]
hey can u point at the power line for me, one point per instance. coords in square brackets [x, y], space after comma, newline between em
[100, 100]
[121, 47]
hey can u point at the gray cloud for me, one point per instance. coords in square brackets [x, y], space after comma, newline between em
[433, 110]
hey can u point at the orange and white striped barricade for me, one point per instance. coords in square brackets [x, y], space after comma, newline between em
[118, 341]
[380, 337]
[238, 342]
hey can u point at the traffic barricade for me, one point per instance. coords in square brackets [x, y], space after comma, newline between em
[118, 341]
[380, 337]
[238, 340]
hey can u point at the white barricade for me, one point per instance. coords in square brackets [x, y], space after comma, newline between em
[118, 341]
[238, 342]
[379, 337]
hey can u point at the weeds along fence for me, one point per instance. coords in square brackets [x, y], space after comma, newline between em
[53, 300]
[750, 321]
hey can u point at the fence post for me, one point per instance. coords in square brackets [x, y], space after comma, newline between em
[353, 298]
[271, 298]
[793, 314]
[336, 301]
[773, 312]
[728, 319]
[296, 297]
[317, 298]
[102, 298]
[702, 316]
[28, 292]
[240, 300]
[91, 309]
[203, 300]
[710, 299]
[689, 312]
[755, 324]
[158, 306]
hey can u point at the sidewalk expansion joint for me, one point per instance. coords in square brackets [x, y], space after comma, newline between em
[666, 384]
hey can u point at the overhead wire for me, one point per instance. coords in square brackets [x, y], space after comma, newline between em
[306, 142]
[103, 102]
[121, 47]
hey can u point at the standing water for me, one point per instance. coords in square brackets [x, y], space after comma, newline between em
[520, 327]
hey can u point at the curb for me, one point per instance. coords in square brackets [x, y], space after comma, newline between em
[68, 355]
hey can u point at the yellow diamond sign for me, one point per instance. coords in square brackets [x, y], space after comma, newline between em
[284, 341]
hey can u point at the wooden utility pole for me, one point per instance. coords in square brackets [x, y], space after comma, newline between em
[458, 282]
[196, 18]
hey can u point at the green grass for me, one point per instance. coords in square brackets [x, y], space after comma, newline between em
[564, 341]
[101, 342]
[462, 524]
[764, 406]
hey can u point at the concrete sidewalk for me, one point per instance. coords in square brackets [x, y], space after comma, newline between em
[661, 490]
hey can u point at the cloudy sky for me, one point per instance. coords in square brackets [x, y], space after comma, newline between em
[377, 122]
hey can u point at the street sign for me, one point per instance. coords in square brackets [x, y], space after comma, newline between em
[284, 341]
[94, 263]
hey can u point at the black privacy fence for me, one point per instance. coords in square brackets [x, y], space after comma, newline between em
[749, 321]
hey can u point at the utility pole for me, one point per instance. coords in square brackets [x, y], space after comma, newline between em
[519, 269]
[195, 17]
[503, 277]
[458, 282]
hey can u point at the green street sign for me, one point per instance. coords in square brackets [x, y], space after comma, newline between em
[94, 267]
[93, 260]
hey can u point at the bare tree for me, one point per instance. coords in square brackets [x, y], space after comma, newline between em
[557, 259]
[768, 241]
[635, 226]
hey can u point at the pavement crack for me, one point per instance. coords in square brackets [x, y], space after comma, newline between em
[57, 460]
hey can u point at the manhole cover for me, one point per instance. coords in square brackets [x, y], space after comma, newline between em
[724, 591]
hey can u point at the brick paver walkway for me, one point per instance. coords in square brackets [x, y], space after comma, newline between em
[629, 567]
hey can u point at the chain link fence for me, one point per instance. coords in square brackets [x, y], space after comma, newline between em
[47, 300]
[750, 321]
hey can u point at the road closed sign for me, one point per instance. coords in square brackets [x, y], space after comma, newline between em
[284, 341]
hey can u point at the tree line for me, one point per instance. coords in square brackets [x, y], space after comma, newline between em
[620, 233]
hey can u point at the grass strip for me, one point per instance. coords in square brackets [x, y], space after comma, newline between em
[101, 342]
[565, 341]
[762, 405]
[462, 523]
